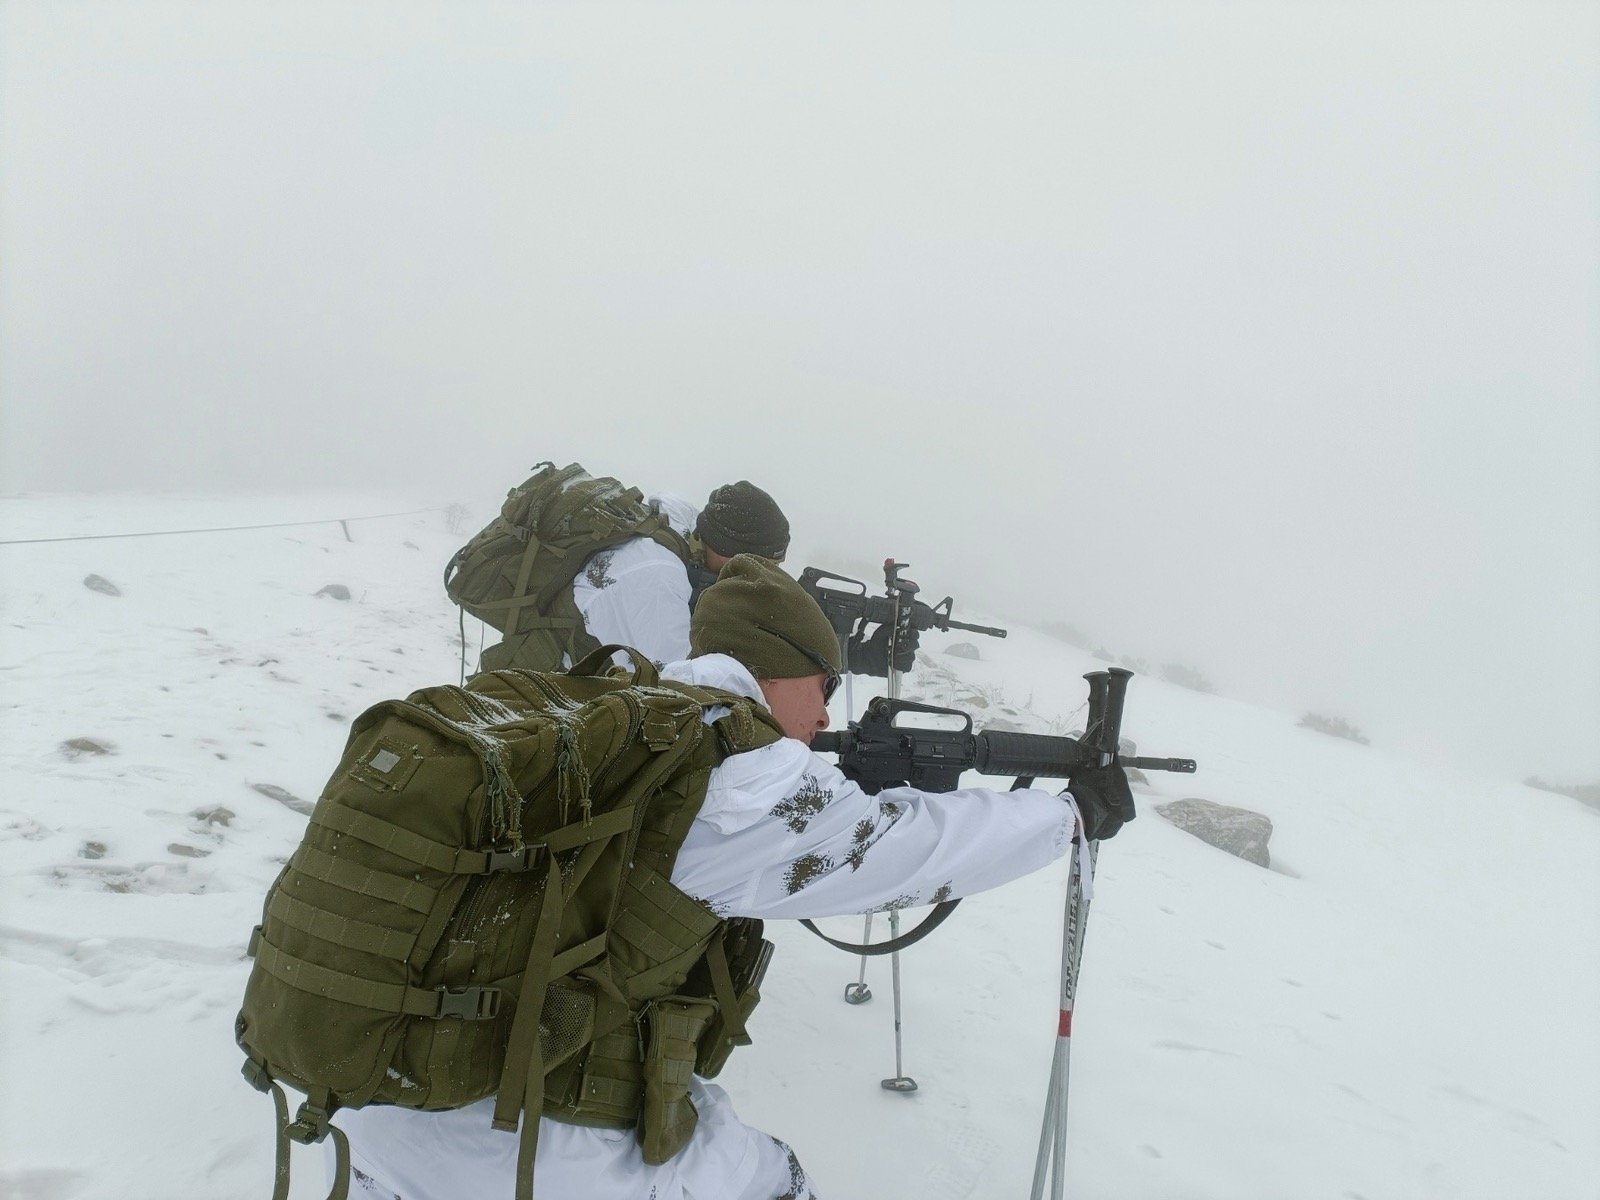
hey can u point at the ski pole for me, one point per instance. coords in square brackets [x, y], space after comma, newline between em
[858, 992]
[1107, 692]
[898, 589]
[1051, 1161]
[901, 1081]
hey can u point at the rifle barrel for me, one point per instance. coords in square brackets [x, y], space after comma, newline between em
[1184, 766]
[986, 630]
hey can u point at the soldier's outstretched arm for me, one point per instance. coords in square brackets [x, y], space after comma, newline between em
[783, 834]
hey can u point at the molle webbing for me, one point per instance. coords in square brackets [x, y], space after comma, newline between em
[482, 905]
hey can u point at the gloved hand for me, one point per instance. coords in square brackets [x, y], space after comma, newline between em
[1104, 799]
[870, 655]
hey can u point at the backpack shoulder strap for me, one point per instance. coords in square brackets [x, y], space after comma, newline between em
[660, 531]
[598, 662]
[746, 726]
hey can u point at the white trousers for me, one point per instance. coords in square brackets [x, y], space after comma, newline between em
[401, 1154]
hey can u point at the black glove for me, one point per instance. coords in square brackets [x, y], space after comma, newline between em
[870, 655]
[1104, 799]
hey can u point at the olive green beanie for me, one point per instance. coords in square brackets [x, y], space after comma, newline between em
[740, 518]
[757, 614]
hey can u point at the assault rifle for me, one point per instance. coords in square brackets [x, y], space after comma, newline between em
[903, 742]
[927, 747]
[849, 608]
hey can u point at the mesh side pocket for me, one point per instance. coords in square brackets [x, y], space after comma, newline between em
[566, 1022]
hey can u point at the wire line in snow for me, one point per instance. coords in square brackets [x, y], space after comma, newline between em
[93, 537]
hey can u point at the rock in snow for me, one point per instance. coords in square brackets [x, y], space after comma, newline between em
[1239, 831]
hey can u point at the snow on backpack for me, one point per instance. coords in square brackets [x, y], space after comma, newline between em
[516, 574]
[482, 906]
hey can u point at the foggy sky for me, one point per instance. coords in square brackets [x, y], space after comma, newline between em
[1264, 337]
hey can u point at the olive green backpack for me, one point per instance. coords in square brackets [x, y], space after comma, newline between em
[517, 573]
[482, 906]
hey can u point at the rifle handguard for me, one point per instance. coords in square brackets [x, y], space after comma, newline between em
[1002, 752]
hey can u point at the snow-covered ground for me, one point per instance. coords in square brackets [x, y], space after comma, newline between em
[1407, 1005]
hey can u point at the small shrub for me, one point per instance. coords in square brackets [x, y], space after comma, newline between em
[1185, 676]
[1334, 727]
[1583, 793]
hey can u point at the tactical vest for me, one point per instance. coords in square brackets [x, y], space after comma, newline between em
[517, 573]
[482, 905]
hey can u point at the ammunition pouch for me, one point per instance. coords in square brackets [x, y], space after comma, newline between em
[674, 1026]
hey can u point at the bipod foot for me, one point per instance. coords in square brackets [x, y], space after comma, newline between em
[857, 993]
[900, 1083]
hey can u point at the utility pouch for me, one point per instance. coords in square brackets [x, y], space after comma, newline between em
[610, 1090]
[748, 957]
[673, 1028]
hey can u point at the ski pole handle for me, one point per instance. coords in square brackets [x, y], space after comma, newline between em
[1099, 684]
[1116, 693]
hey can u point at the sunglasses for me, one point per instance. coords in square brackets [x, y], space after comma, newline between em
[830, 682]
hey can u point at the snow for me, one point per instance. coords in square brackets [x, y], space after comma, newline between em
[1405, 1005]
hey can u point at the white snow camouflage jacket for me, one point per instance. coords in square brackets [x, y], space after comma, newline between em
[637, 594]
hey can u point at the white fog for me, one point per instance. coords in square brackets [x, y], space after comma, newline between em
[1256, 339]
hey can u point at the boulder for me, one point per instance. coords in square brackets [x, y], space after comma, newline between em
[962, 650]
[336, 591]
[84, 747]
[1239, 831]
[99, 583]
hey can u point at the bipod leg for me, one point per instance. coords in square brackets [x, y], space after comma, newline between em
[901, 1081]
[858, 992]
[1051, 1160]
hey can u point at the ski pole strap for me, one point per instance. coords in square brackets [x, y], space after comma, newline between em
[929, 923]
[1080, 847]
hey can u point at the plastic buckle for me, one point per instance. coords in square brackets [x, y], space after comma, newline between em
[471, 1004]
[513, 860]
[256, 1075]
[310, 1124]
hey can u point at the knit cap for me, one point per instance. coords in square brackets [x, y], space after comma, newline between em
[757, 614]
[740, 518]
